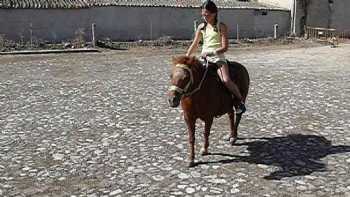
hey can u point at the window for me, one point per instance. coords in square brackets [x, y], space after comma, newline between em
[260, 12]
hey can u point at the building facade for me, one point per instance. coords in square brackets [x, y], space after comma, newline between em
[129, 20]
[331, 14]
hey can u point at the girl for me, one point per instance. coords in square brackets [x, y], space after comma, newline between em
[215, 44]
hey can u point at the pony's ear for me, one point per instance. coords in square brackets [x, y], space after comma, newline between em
[188, 60]
[174, 60]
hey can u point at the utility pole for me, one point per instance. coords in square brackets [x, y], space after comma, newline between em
[93, 27]
[293, 19]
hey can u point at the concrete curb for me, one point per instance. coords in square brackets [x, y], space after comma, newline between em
[28, 52]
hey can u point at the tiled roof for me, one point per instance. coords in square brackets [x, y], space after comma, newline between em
[44, 3]
[139, 3]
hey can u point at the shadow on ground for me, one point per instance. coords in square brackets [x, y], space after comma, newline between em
[295, 155]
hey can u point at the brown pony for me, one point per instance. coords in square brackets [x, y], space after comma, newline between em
[203, 96]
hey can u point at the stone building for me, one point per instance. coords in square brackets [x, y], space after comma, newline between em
[57, 20]
[331, 14]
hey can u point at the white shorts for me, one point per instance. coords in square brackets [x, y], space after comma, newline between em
[218, 59]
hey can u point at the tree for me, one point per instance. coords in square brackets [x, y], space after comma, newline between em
[303, 21]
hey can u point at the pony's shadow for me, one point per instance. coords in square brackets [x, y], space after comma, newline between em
[295, 155]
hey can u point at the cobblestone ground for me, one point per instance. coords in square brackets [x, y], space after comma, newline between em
[99, 124]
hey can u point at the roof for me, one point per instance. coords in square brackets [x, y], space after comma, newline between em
[139, 3]
[44, 4]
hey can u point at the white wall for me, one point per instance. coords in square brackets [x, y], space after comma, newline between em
[46, 24]
[131, 23]
[280, 3]
[134, 23]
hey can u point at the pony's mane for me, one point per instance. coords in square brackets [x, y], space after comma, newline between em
[191, 61]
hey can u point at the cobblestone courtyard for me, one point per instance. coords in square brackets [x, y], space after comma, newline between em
[98, 124]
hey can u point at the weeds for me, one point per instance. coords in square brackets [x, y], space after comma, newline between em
[79, 40]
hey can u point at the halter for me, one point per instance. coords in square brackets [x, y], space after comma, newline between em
[183, 91]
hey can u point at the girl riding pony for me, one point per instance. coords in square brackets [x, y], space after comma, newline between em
[215, 44]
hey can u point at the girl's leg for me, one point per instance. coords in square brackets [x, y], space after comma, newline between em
[224, 74]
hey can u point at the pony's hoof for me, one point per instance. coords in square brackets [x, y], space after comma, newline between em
[232, 140]
[191, 164]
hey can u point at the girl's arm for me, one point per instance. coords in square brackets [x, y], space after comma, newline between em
[224, 39]
[195, 43]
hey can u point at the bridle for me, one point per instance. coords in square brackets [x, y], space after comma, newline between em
[184, 91]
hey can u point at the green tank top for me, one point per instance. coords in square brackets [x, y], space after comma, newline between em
[211, 39]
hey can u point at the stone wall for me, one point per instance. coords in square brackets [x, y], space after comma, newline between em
[318, 13]
[335, 15]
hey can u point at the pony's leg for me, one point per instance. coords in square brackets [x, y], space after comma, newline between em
[191, 125]
[207, 128]
[233, 135]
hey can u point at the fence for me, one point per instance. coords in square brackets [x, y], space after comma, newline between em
[325, 33]
[344, 34]
[329, 36]
[320, 33]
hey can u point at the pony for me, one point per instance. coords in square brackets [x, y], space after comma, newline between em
[203, 96]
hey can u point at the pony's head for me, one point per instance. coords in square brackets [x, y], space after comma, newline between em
[181, 78]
